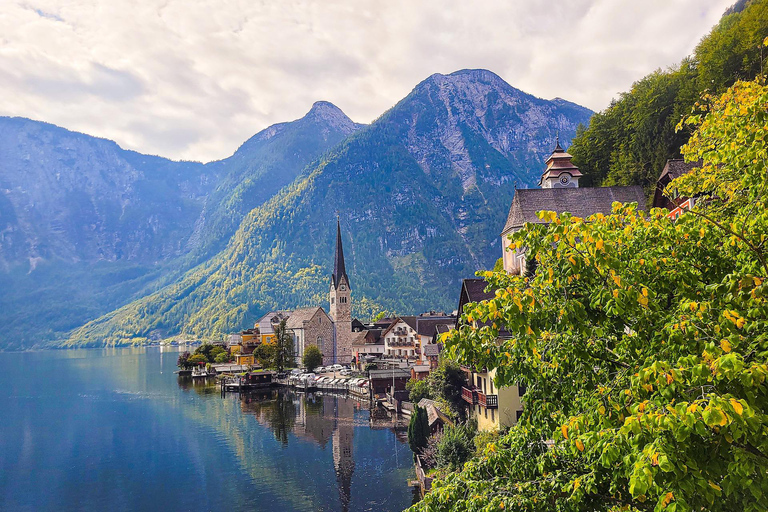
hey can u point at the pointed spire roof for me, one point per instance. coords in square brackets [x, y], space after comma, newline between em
[339, 269]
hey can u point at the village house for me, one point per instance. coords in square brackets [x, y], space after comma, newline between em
[405, 338]
[676, 205]
[266, 324]
[367, 346]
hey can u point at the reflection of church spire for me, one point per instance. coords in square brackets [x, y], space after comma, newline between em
[342, 451]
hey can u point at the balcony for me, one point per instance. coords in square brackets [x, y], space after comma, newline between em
[469, 395]
[488, 401]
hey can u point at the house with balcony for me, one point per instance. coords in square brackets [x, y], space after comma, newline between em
[494, 408]
[406, 337]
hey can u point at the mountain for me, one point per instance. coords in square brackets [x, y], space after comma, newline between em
[422, 192]
[86, 226]
[263, 165]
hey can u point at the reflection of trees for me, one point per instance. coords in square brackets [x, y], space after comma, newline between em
[275, 409]
[200, 386]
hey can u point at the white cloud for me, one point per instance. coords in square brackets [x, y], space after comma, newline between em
[193, 79]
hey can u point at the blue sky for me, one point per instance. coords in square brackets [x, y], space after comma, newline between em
[193, 79]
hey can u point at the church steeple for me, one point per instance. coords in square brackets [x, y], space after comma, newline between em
[339, 269]
[340, 302]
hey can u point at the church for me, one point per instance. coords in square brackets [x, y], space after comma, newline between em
[331, 332]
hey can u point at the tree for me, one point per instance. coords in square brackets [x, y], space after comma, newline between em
[643, 342]
[266, 354]
[445, 383]
[312, 357]
[455, 446]
[283, 352]
[418, 429]
[196, 359]
[222, 357]
[417, 389]
[183, 361]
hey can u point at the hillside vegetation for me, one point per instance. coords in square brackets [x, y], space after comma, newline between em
[629, 142]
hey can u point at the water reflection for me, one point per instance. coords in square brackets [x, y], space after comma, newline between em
[319, 418]
[115, 429]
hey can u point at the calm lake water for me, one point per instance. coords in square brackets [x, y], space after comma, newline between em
[115, 429]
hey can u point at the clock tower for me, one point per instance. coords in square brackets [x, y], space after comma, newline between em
[560, 172]
[340, 298]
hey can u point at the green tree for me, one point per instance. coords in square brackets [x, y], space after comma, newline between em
[445, 383]
[643, 342]
[183, 361]
[196, 359]
[222, 357]
[312, 357]
[456, 446]
[417, 389]
[418, 429]
[283, 352]
[266, 353]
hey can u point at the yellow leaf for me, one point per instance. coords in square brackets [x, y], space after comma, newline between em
[564, 430]
[725, 345]
[580, 445]
[615, 294]
[715, 486]
[572, 260]
[601, 410]
[737, 407]
[529, 330]
[599, 245]
[667, 498]
[643, 300]
[655, 459]
[617, 280]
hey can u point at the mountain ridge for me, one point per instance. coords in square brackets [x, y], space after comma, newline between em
[421, 190]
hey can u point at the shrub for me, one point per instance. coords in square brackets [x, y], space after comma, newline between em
[417, 390]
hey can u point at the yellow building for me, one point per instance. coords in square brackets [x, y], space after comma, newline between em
[493, 408]
[245, 359]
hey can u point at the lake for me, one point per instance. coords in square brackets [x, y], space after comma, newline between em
[116, 429]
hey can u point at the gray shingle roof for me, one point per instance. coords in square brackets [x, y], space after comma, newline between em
[299, 316]
[581, 202]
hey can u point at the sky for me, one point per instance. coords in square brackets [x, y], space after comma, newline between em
[194, 79]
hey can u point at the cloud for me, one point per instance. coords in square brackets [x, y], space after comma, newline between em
[193, 79]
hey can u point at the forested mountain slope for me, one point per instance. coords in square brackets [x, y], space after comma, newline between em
[85, 226]
[629, 142]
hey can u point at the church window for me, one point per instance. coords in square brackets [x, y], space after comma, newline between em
[333, 300]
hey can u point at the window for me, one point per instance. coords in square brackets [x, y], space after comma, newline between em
[333, 300]
[521, 389]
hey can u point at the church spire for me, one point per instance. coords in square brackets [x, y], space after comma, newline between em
[339, 270]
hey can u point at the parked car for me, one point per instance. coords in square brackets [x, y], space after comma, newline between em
[346, 371]
[337, 368]
[320, 369]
